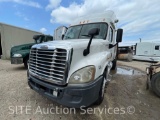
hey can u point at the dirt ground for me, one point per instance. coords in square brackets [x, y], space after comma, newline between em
[126, 97]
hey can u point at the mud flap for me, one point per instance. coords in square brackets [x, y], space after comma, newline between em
[109, 77]
[148, 83]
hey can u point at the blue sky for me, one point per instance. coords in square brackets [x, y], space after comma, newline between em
[138, 18]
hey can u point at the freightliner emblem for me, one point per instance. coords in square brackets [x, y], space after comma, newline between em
[44, 47]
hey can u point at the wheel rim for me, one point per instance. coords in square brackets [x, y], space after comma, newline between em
[103, 86]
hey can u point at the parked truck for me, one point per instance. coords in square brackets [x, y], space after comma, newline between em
[12, 36]
[125, 53]
[59, 32]
[20, 54]
[147, 50]
[75, 71]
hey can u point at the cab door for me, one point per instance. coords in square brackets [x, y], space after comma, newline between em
[111, 37]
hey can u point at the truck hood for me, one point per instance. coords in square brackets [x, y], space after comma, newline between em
[68, 44]
[21, 48]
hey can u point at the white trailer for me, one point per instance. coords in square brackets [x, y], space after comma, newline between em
[147, 51]
[59, 32]
[11, 36]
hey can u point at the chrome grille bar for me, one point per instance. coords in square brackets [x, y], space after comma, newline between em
[48, 64]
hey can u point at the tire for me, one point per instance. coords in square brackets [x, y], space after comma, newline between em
[26, 63]
[155, 83]
[102, 90]
[114, 62]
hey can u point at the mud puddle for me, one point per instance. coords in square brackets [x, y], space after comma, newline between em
[126, 71]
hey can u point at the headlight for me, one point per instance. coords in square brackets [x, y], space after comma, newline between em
[17, 55]
[83, 75]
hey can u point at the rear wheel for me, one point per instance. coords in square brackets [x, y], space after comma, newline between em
[102, 89]
[155, 84]
[26, 62]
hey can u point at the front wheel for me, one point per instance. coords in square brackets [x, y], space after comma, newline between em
[102, 89]
[26, 62]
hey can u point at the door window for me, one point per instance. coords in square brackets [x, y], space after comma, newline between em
[49, 38]
[110, 34]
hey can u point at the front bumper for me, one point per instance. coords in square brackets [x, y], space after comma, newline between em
[71, 96]
[16, 60]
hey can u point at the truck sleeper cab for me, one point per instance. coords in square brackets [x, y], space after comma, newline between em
[74, 71]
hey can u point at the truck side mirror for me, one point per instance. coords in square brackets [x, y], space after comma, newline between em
[118, 38]
[91, 33]
[35, 37]
[62, 36]
[119, 35]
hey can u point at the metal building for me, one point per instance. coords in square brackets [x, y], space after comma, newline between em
[11, 36]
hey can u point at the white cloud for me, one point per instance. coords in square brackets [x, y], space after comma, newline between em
[136, 17]
[24, 2]
[53, 4]
[43, 30]
[21, 15]
[26, 19]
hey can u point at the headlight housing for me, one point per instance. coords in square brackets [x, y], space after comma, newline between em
[17, 55]
[83, 75]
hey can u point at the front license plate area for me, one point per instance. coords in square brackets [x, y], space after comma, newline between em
[16, 60]
[55, 92]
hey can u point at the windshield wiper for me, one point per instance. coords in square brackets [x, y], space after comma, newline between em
[85, 35]
[88, 36]
[67, 37]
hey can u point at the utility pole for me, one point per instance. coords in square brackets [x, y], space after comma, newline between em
[140, 39]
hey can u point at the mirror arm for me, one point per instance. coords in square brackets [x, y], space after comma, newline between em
[62, 36]
[87, 50]
[111, 46]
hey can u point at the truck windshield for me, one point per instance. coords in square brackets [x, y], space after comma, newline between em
[39, 39]
[81, 31]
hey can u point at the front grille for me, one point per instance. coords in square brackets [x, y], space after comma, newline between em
[49, 65]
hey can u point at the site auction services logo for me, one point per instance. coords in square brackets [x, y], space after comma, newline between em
[65, 110]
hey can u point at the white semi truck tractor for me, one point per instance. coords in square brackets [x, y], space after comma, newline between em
[74, 71]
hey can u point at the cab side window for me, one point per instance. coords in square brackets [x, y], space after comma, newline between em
[110, 34]
[49, 38]
[157, 47]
